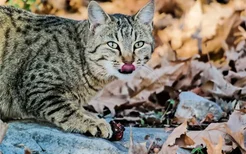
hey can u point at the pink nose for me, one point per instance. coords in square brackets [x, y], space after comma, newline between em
[127, 68]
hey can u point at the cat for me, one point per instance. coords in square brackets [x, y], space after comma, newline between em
[51, 66]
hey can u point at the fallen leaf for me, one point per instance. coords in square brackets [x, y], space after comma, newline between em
[237, 121]
[209, 118]
[215, 84]
[237, 138]
[211, 22]
[3, 130]
[177, 138]
[136, 148]
[236, 127]
[169, 149]
[212, 133]
[27, 151]
[211, 149]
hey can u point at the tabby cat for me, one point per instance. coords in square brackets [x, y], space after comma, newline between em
[51, 66]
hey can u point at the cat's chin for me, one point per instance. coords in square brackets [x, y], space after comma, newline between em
[121, 76]
[125, 76]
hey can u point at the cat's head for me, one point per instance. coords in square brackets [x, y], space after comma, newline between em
[119, 44]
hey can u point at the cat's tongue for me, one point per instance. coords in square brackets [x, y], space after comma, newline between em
[127, 68]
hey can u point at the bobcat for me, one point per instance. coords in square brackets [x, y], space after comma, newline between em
[51, 66]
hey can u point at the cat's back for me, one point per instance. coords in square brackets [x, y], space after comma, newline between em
[15, 17]
[11, 28]
[10, 15]
[20, 29]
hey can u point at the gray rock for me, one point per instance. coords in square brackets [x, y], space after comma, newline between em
[49, 140]
[191, 105]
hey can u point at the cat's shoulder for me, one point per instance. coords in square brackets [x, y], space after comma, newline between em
[10, 10]
[23, 15]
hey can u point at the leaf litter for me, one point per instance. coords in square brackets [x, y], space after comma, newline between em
[201, 48]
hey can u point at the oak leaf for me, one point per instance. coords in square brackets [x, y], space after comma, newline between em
[211, 149]
[177, 138]
[212, 133]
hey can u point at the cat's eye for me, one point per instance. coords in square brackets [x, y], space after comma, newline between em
[138, 44]
[112, 45]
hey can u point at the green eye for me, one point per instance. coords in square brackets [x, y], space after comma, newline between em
[112, 45]
[138, 44]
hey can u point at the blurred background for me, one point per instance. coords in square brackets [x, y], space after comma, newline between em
[173, 18]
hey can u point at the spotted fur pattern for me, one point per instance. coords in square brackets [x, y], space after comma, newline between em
[51, 66]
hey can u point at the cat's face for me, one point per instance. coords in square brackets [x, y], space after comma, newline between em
[119, 43]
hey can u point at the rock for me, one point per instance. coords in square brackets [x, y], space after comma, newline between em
[49, 140]
[191, 105]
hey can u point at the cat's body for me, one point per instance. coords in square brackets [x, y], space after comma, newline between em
[51, 66]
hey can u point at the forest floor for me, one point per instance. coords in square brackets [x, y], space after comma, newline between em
[195, 83]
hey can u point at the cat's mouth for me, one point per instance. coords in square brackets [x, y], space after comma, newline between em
[129, 72]
[127, 69]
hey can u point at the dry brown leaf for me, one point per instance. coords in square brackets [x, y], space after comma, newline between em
[192, 122]
[210, 22]
[2, 2]
[127, 6]
[241, 35]
[237, 121]
[235, 128]
[136, 148]
[239, 76]
[237, 138]
[3, 130]
[58, 4]
[211, 133]
[211, 149]
[240, 107]
[177, 138]
[162, 20]
[166, 5]
[243, 110]
[215, 43]
[184, 6]
[215, 84]
[209, 118]
[190, 76]
[27, 151]
[169, 150]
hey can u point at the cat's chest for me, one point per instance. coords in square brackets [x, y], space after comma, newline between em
[84, 92]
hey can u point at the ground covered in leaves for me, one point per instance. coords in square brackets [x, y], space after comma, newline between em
[200, 48]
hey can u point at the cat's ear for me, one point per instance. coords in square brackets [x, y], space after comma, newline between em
[146, 14]
[96, 15]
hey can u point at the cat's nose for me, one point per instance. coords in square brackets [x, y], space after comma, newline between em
[127, 60]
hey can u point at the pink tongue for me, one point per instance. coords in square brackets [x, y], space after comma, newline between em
[127, 68]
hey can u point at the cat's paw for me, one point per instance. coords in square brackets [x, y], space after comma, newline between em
[100, 128]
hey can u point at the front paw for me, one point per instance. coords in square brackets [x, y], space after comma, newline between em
[100, 128]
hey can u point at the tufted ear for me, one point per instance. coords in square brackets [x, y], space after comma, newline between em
[96, 15]
[146, 14]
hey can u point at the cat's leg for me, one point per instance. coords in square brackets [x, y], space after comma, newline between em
[81, 121]
[64, 110]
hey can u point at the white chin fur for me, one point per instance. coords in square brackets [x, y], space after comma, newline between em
[114, 72]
